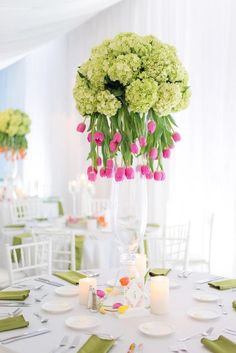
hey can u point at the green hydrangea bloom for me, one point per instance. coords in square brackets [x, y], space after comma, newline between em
[14, 122]
[184, 102]
[124, 68]
[107, 103]
[141, 95]
[169, 96]
[84, 96]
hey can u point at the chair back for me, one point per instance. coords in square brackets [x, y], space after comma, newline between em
[29, 259]
[25, 209]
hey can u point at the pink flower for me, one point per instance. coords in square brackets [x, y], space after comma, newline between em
[92, 176]
[153, 153]
[100, 293]
[151, 126]
[98, 138]
[119, 174]
[113, 146]
[91, 169]
[163, 176]
[102, 172]
[158, 176]
[116, 305]
[145, 169]
[166, 153]
[142, 141]
[81, 127]
[110, 163]
[134, 148]
[129, 173]
[89, 137]
[99, 161]
[117, 137]
[176, 136]
[109, 172]
[149, 175]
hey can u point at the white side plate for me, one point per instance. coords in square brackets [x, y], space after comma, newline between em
[82, 322]
[204, 314]
[156, 328]
[202, 296]
[56, 306]
[67, 291]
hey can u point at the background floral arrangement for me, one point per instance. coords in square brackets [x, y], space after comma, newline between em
[127, 90]
[14, 125]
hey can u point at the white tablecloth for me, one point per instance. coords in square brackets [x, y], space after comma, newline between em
[181, 300]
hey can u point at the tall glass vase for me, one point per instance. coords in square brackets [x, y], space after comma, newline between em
[10, 172]
[129, 216]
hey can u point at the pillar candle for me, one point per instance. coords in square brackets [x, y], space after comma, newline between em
[84, 285]
[159, 295]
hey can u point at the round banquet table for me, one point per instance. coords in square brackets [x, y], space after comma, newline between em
[181, 299]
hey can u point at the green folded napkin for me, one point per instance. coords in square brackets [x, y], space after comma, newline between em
[159, 271]
[153, 225]
[12, 323]
[221, 345]
[79, 248]
[96, 344]
[14, 295]
[70, 276]
[41, 219]
[222, 285]
[234, 304]
[17, 240]
[17, 226]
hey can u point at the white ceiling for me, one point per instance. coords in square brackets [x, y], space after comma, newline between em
[27, 24]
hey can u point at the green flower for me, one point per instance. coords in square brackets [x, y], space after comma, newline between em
[84, 96]
[124, 68]
[107, 103]
[169, 96]
[141, 95]
[184, 102]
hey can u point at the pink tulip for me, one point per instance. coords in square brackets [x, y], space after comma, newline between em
[113, 146]
[98, 138]
[81, 127]
[116, 305]
[129, 173]
[100, 293]
[119, 174]
[109, 173]
[145, 169]
[117, 137]
[151, 126]
[176, 136]
[102, 172]
[89, 137]
[134, 148]
[110, 163]
[99, 161]
[92, 176]
[166, 153]
[153, 153]
[142, 141]
[158, 176]
[91, 169]
[163, 176]
[149, 175]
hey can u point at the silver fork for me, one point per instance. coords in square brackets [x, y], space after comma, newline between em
[203, 334]
[74, 344]
[43, 320]
[13, 313]
[39, 300]
[63, 343]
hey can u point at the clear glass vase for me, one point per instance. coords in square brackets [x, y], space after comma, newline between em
[10, 172]
[129, 217]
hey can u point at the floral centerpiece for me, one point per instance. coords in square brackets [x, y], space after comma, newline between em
[14, 125]
[127, 91]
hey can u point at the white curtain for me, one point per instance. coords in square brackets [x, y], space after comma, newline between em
[201, 174]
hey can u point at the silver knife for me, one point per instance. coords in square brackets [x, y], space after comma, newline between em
[47, 281]
[10, 305]
[24, 335]
[209, 280]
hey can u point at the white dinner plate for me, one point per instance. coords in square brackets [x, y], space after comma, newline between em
[156, 328]
[56, 306]
[174, 284]
[67, 291]
[202, 296]
[82, 322]
[204, 314]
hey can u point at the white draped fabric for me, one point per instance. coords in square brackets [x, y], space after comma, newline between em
[201, 176]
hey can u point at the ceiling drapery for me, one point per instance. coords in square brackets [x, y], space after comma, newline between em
[28, 24]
